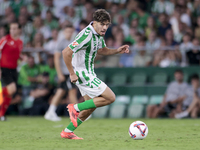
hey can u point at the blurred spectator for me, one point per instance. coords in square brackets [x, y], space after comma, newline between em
[51, 45]
[170, 38]
[34, 8]
[63, 77]
[4, 4]
[193, 56]
[110, 42]
[153, 42]
[118, 38]
[29, 74]
[141, 15]
[191, 104]
[24, 12]
[126, 60]
[82, 25]
[50, 69]
[179, 16]
[123, 25]
[164, 25]
[16, 5]
[38, 26]
[36, 103]
[49, 6]
[70, 15]
[9, 18]
[197, 29]
[142, 59]
[132, 35]
[114, 12]
[120, 2]
[173, 98]
[184, 47]
[151, 26]
[27, 26]
[134, 24]
[162, 6]
[50, 21]
[166, 57]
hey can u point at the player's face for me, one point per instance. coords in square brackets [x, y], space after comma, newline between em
[101, 27]
[14, 29]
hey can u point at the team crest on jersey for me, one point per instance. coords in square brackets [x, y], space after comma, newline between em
[74, 44]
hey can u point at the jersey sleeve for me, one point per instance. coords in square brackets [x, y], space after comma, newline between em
[80, 41]
[2, 42]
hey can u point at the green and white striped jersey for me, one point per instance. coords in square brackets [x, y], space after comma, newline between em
[85, 48]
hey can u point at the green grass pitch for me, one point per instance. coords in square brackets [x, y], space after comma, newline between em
[35, 133]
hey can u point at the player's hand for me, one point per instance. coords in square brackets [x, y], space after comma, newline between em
[123, 49]
[61, 78]
[73, 78]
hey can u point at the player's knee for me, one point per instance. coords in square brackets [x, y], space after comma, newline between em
[112, 98]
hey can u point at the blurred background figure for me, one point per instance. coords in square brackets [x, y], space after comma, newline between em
[173, 98]
[63, 77]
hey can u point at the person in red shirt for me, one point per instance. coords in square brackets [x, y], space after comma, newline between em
[10, 48]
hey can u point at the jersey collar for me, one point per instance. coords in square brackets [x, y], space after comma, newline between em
[91, 27]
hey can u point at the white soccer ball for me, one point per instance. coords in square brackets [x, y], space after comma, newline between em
[138, 130]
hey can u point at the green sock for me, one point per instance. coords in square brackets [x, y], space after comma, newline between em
[71, 127]
[86, 105]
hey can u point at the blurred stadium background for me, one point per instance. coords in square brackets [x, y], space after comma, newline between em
[163, 36]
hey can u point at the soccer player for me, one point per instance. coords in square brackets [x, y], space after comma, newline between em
[63, 77]
[79, 58]
[10, 48]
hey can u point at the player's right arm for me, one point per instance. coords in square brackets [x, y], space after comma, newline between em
[67, 56]
[81, 40]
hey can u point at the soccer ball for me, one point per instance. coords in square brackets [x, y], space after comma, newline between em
[138, 130]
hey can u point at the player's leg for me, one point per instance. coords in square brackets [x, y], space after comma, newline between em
[9, 77]
[107, 97]
[82, 116]
[51, 112]
[73, 95]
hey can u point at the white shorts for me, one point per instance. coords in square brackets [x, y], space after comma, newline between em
[93, 88]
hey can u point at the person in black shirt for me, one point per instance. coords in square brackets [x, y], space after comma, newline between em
[193, 56]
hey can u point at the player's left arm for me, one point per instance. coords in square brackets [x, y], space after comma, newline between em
[108, 51]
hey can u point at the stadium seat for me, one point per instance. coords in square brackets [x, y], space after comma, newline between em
[122, 99]
[156, 99]
[102, 76]
[117, 111]
[135, 111]
[159, 78]
[139, 99]
[100, 112]
[118, 79]
[138, 79]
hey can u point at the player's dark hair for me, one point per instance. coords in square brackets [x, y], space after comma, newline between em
[195, 77]
[19, 26]
[101, 15]
[179, 71]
